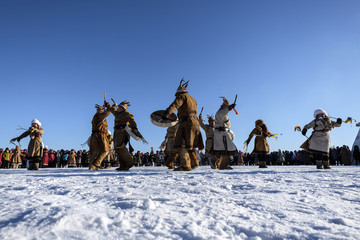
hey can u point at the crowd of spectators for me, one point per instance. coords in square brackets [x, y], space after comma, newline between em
[338, 156]
[72, 158]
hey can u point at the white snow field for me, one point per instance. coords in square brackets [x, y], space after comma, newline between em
[280, 202]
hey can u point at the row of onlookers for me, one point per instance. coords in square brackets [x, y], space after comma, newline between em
[338, 156]
[71, 158]
[51, 158]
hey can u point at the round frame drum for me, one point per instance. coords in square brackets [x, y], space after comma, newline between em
[156, 119]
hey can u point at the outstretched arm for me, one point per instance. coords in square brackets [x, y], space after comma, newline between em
[178, 102]
[111, 108]
[25, 134]
[255, 131]
[337, 123]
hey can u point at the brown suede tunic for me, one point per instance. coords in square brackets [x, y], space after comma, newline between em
[35, 147]
[188, 135]
[72, 158]
[122, 118]
[261, 144]
[17, 156]
[99, 141]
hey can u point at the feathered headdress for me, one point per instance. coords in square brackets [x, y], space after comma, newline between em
[225, 103]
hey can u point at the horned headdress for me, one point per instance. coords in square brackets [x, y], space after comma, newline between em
[99, 106]
[124, 104]
[210, 118]
[182, 87]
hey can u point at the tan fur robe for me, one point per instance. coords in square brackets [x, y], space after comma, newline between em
[99, 141]
[261, 144]
[122, 118]
[35, 147]
[188, 135]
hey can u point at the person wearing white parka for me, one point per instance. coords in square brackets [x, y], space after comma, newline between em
[319, 141]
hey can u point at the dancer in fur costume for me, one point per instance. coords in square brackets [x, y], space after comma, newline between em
[123, 118]
[168, 146]
[223, 146]
[319, 141]
[261, 149]
[209, 131]
[99, 142]
[35, 147]
[188, 136]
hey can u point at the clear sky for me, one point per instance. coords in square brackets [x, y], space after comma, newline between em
[284, 59]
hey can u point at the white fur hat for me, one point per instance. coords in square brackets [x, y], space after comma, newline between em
[320, 111]
[36, 121]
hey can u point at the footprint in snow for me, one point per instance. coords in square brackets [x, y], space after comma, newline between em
[339, 221]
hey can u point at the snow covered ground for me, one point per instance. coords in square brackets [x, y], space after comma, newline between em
[280, 202]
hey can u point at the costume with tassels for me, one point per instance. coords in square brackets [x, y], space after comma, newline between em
[319, 141]
[110, 157]
[188, 136]
[99, 143]
[223, 146]
[16, 159]
[261, 148]
[35, 147]
[209, 131]
[168, 146]
[123, 118]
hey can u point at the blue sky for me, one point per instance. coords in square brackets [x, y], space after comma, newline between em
[284, 59]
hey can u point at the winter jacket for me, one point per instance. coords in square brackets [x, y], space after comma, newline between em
[72, 158]
[17, 157]
[46, 158]
[356, 155]
[6, 156]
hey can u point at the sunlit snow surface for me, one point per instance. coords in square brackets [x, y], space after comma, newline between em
[280, 202]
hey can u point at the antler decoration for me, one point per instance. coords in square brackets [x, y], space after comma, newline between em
[186, 84]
